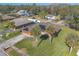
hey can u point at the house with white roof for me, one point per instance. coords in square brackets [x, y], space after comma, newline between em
[23, 13]
[50, 17]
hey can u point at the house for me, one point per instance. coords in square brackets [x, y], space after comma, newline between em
[50, 17]
[7, 17]
[22, 23]
[23, 13]
[68, 17]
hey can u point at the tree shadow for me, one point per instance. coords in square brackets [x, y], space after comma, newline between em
[55, 35]
[43, 37]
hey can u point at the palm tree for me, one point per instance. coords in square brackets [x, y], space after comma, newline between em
[36, 31]
[0, 19]
[9, 24]
[72, 41]
[50, 30]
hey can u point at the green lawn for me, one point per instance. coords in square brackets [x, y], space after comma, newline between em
[10, 35]
[6, 36]
[13, 53]
[57, 48]
[3, 24]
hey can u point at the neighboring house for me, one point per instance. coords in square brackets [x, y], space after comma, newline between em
[68, 17]
[23, 13]
[50, 17]
[6, 17]
[22, 23]
[30, 13]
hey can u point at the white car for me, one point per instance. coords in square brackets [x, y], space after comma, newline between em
[37, 21]
[34, 20]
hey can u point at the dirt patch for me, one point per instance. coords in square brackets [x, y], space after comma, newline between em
[8, 50]
[34, 43]
[24, 50]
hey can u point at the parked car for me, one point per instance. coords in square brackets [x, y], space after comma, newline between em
[34, 20]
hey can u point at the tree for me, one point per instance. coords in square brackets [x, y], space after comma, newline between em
[36, 31]
[0, 19]
[9, 24]
[72, 40]
[42, 14]
[73, 23]
[50, 30]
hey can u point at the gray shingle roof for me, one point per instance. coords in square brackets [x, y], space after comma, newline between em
[20, 21]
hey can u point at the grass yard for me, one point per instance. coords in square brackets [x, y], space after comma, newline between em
[7, 33]
[10, 35]
[13, 53]
[57, 48]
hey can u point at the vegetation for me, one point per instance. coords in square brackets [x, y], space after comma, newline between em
[65, 43]
[56, 48]
[55, 9]
[36, 31]
[13, 53]
[73, 23]
[50, 31]
[0, 19]
[42, 14]
[72, 40]
[10, 35]
[7, 25]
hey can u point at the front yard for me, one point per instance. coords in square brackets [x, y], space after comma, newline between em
[57, 48]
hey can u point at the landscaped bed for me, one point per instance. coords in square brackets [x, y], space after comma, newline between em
[56, 48]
